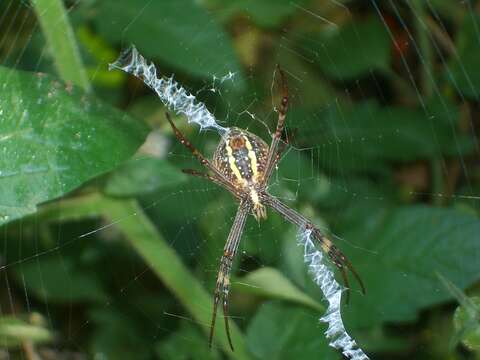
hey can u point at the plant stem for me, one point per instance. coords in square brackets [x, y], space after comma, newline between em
[58, 32]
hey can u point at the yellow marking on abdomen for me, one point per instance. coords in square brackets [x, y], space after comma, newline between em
[233, 165]
[253, 158]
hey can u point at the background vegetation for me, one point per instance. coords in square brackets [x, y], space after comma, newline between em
[109, 252]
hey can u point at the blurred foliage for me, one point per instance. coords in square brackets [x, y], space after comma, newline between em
[109, 251]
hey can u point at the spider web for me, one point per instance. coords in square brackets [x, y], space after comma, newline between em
[326, 171]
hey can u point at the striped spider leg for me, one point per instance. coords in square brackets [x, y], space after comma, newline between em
[222, 287]
[217, 176]
[273, 152]
[243, 164]
[333, 252]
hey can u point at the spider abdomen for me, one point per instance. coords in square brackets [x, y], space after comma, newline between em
[241, 157]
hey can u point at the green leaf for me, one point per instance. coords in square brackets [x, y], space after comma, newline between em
[14, 331]
[142, 176]
[405, 248]
[342, 53]
[57, 279]
[53, 138]
[185, 344]
[271, 283]
[280, 332]
[466, 317]
[179, 32]
[467, 324]
[462, 71]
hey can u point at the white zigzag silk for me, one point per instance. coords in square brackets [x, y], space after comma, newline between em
[172, 94]
[332, 291]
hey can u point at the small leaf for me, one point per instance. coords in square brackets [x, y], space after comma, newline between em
[142, 176]
[271, 283]
[14, 331]
[53, 138]
[467, 324]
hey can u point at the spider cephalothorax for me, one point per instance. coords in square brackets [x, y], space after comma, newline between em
[242, 158]
[243, 164]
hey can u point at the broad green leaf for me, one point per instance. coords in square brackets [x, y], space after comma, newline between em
[179, 32]
[56, 279]
[462, 70]
[280, 332]
[142, 176]
[271, 283]
[404, 249]
[14, 331]
[351, 51]
[367, 136]
[53, 138]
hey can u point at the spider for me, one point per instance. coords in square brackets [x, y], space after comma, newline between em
[243, 164]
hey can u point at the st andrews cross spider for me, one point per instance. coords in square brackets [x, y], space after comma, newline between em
[243, 164]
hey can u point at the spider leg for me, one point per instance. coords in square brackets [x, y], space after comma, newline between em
[223, 278]
[203, 160]
[216, 299]
[333, 252]
[282, 113]
[337, 255]
[218, 177]
[222, 289]
[184, 141]
[346, 283]
[281, 148]
[222, 286]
